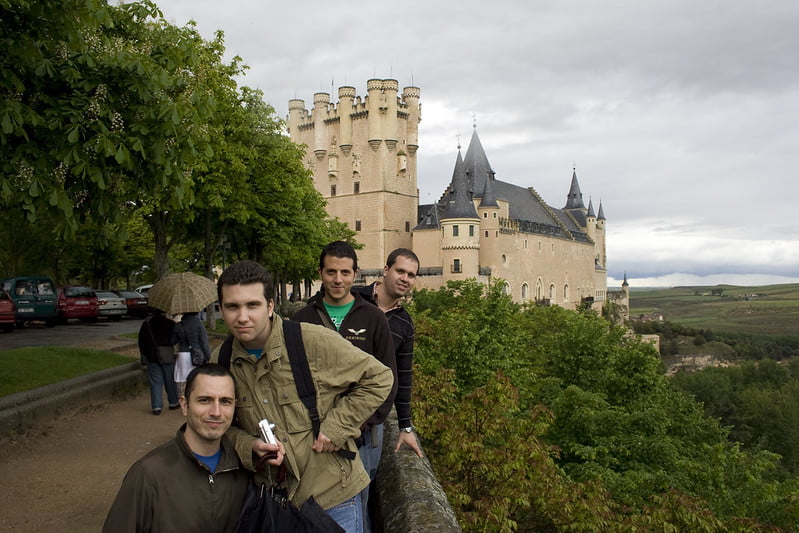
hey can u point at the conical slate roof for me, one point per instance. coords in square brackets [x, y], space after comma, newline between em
[574, 200]
[590, 208]
[458, 203]
[601, 215]
[476, 163]
[488, 199]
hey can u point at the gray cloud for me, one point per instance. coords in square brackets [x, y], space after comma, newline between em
[679, 115]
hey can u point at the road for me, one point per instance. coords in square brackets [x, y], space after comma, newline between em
[70, 334]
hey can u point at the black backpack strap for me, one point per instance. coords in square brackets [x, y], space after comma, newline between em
[226, 352]
[302, 377]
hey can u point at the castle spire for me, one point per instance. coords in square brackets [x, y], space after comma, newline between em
[590, 208]
[476, 163]
[488, 199]
[458, 203]
[601, 215]
[574, 200]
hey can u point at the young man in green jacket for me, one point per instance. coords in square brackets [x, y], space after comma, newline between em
[350, 386]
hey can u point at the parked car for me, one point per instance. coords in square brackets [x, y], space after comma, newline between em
[112, 305]
[75, 301]
[136, 302]
[34, 298]
[144, 289]
[7, 311]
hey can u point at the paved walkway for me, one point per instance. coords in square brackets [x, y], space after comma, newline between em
[63, 477]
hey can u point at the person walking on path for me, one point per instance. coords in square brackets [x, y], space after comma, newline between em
[365, 326]
[192, 341]
[350, 385]
[195, 481]
[156, 346]
[399, 277]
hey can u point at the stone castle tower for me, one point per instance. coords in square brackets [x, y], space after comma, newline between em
[362, 152]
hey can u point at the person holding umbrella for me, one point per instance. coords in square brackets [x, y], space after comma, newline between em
[156, 346]
[185, 293]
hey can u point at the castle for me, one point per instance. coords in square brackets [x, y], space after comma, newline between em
[362, 152]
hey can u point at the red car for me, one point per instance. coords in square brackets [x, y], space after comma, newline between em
[77, 302]
[7, 311]
[137, 303]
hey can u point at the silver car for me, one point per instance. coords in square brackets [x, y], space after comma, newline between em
[112, 305]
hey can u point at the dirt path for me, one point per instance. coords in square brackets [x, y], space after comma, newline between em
[63, 477]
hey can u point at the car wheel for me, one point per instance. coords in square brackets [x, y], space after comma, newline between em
[8, 328]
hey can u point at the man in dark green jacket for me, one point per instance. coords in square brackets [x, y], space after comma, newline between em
[195, 481]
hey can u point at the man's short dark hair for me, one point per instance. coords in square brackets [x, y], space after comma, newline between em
[401, 252]
[339, 249]
[246, 273]
[207, 369]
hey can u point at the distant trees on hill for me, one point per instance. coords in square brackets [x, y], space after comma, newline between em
[544, 419]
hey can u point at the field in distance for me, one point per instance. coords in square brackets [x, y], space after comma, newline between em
[766, 310]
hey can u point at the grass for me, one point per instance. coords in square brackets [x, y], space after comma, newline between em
[765, 310]
[24, 369]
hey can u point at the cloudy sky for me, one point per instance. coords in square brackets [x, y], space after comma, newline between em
[681, 117]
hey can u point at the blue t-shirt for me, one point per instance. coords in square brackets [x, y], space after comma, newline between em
[211, 461]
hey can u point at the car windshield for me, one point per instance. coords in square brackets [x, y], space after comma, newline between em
[78, 292]
[130, 294]
[107, 295]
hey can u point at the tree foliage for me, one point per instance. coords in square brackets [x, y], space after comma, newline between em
[616, 429]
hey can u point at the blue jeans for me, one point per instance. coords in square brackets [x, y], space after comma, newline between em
[370, 456]
[162, 376]
[349, 515]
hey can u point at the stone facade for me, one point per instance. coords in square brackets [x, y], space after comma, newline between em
[363, 155]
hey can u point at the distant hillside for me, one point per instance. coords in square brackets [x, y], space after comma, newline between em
[766, 310]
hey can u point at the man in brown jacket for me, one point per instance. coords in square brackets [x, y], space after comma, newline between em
[195, 481]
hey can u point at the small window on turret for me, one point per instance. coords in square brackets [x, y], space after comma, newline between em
[356, 187]
[407, 226]
[456, 265]
[455, 230]
[333, 190]
[357, 225]
[485, 215]
[471, 230]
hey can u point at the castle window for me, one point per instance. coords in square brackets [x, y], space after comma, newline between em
[357, 225]
[504, 259]
[506, 288]
[455, 230]
[356, 187]
[471, 230]
[495, 215]
[456, 265]
[552, 292]
[566, 292]
[407, 226]
[524, 291]
[333, 190]
[485, 215]
[486, 234]
[525, 244]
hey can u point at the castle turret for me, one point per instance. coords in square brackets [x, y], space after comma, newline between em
[590, 221]
[410, 95]
[297, 115]
[460, 225]
[320, 104]
[389, 118]
[375, 105]
[488, 212]
[346, 97]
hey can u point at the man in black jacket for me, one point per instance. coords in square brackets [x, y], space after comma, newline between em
[361, 323]
[399, 277]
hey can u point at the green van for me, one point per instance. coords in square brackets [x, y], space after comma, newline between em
[35, 298]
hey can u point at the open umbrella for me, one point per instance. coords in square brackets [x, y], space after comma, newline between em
[183, 292]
